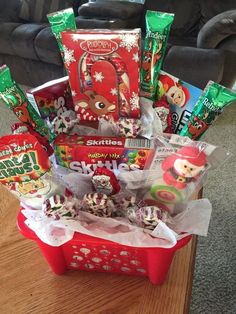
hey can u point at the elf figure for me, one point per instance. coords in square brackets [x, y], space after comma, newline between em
[170, 93]
[173, 92]
[184, 166]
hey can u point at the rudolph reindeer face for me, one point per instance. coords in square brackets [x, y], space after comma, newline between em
[22, 113]
[149, 58]
[20, 110]
[97, 104]
[197, 128]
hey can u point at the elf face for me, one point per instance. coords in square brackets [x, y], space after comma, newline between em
[175, 96]
[186, 168]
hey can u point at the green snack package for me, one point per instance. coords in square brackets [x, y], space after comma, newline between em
[61, 21]
[16, 100]
[158, 26]
[209, 106]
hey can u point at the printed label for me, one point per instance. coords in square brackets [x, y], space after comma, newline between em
[99, 47]
[84, 154]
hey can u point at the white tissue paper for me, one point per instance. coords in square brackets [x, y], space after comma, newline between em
[193, 220]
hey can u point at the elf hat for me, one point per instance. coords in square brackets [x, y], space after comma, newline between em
[166, 81]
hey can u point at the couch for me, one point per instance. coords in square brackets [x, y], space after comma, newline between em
[202, 42]
[201, 45]
[27, 44]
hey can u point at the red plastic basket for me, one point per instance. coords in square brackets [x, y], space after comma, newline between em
[94, 254]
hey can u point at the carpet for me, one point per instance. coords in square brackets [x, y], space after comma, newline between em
[214, 283]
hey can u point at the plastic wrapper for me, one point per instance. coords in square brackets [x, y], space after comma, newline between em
[21, 128]
[16, 101]
[25, 169]
[53, 101]
[85, 154]
[61, 21]
[103, 67]
[60, 206]
[158, 26]
[208, 107]
[178, 170]
[149, 125]
[151, 209]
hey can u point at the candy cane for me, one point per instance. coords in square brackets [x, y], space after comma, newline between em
[123, 85]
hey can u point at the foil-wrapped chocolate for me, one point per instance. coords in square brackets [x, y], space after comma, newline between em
[146, 217]
[127, 127]
[98, 204]
[64, 123]
[59, 206]
[122, 203]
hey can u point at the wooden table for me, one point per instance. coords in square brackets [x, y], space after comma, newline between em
[28, 286]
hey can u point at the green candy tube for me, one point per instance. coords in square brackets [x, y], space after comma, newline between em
[16, 100]
[61, 21]
[209, 106]
[158, 26]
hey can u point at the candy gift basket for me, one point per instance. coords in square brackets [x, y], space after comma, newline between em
[89, 253]
[108, 160]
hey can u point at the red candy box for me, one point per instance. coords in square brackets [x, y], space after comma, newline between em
[85, 153]
[103, 68]
[52, 98]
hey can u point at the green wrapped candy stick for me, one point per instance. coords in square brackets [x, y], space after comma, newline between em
[209, 106]
[61, 21]
[16, 100]
[158, 26]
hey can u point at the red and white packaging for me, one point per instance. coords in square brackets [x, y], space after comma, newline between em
[52, 98]
[85, 153]
[103, 68]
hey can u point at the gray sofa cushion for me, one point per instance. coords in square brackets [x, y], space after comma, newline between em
[37, 10]
[119, 10]
[210, 8]
[217, 29]
[22, 40]
[6, 30]
[31, 72]
[185, 62]
[84, 23]
[9, 10]
[187, 15]
[46, 47]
